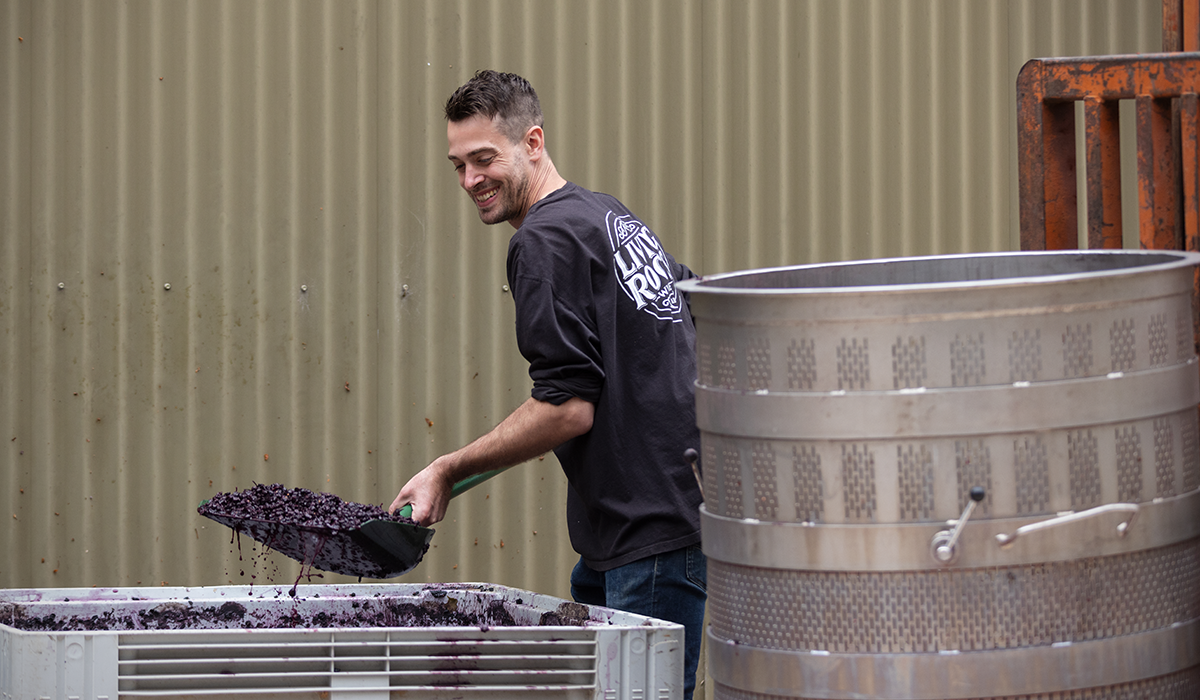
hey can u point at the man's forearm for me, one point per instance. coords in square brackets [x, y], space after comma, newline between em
[533, 429]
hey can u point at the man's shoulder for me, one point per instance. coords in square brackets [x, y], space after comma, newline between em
[572, 200]
[570, 212]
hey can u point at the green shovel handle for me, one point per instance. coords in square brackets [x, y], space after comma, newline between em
[465, 485]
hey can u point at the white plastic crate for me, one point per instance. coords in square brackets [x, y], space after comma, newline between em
[596, 653]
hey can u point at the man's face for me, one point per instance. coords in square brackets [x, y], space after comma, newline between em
[493, 170]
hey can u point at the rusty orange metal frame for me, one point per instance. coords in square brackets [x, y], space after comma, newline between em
[1181, 25]
[1047, 89]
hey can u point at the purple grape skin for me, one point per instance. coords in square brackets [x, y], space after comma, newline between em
[298, 506]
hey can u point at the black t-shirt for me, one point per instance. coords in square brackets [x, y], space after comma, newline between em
[598, 317]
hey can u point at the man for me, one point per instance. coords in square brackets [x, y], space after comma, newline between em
[610, 345]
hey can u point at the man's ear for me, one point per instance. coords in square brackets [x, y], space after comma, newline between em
[535, 142]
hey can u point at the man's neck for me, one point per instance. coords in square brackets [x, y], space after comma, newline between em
[545, 180]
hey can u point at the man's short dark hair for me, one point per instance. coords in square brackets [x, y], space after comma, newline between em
[492, 94]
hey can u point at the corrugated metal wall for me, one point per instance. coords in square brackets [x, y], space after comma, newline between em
[232, 250]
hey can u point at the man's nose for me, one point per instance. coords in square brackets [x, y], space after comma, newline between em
[471, 176]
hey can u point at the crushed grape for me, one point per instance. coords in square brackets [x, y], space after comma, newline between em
[298, 506]
[319, 530]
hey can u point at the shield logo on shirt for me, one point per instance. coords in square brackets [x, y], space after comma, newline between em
[642, 267]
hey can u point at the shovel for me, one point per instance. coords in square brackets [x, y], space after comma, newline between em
[374, 549]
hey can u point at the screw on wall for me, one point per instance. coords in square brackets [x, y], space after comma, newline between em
[62, 285]
[167, 286]
[403, 290]
[304, 287]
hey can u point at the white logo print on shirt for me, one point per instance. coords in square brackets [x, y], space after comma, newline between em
[642, 268]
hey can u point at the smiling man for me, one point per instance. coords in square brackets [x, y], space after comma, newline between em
[609, 342]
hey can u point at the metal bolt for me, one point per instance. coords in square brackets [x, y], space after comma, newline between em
[505, 289]
[404, 290]
[167, 286]
[304, 287]
[62, 285]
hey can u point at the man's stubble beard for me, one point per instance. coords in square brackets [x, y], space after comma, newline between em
[508, 205]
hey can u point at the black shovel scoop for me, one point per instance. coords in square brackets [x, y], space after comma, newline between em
[374, 549]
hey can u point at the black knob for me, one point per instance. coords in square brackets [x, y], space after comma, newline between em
[977, 493]
[691, 455]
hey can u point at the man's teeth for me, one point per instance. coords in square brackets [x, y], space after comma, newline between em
[485, 195]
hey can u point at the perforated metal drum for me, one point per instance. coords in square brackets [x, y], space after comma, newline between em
[849, 410]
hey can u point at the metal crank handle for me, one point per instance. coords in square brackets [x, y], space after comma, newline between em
[1130, 508]
[692, 456]
[945, 543]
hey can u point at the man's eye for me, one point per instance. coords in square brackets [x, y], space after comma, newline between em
[485, 161]
[459, 166]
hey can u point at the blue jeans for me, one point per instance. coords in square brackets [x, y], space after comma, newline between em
[670, 586]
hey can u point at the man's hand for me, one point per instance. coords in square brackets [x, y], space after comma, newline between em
[428, 492]
[535, 428]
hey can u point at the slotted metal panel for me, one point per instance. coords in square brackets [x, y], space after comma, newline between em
[336, 315]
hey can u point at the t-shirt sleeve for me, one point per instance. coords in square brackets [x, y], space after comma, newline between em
[682, 272]
[562, 348]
